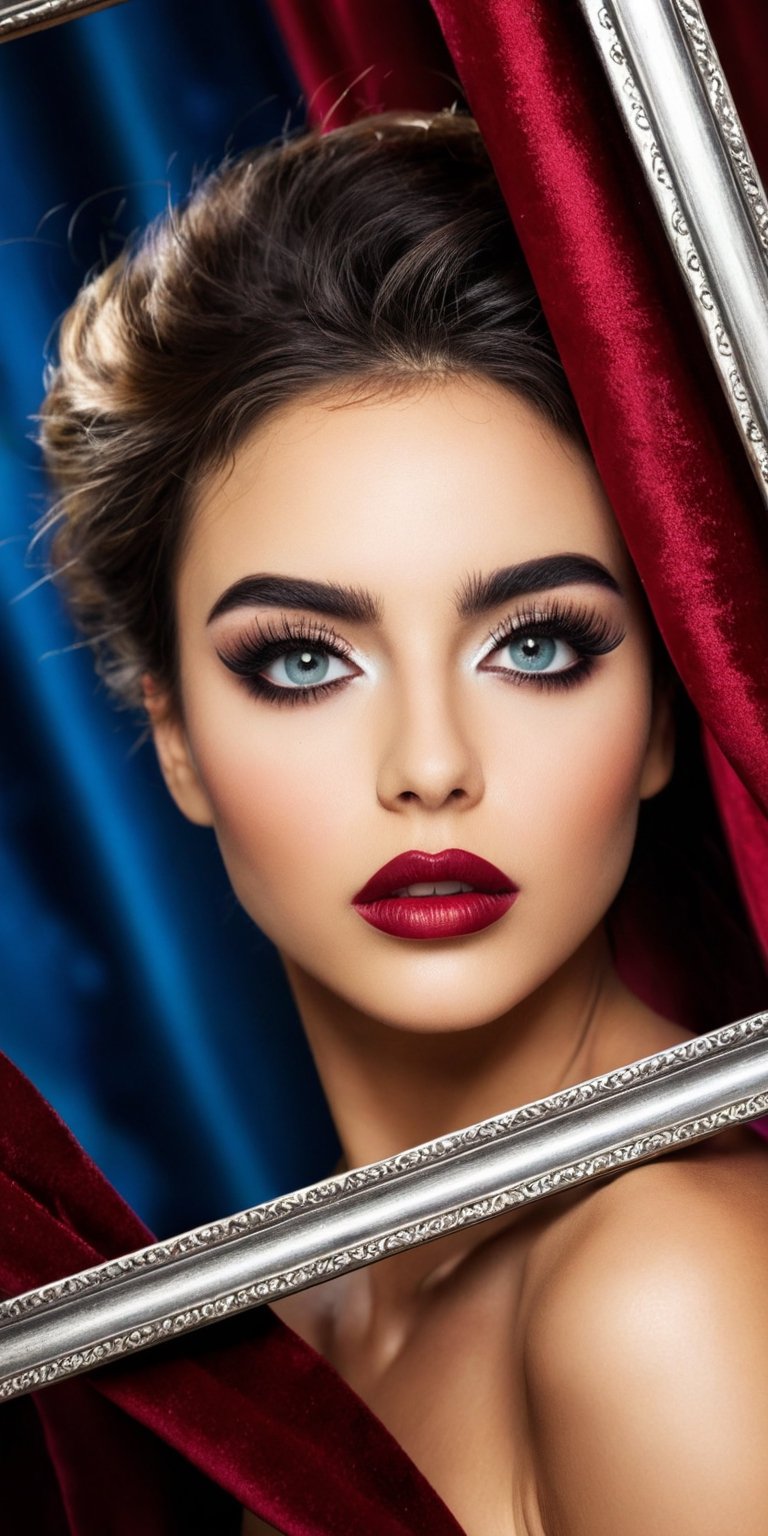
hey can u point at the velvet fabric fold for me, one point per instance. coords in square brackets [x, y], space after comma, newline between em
[179, 1440]
[357, 56]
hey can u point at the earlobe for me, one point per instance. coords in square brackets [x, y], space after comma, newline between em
[174, 756]
[660, 755]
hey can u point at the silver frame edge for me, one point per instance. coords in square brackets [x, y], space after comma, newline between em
[584, 1132]
[670, 89]
[24, 16]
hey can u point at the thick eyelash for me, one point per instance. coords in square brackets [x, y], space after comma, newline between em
[589, 633]
[248, 654]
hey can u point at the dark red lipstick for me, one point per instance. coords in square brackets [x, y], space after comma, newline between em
[385, 903]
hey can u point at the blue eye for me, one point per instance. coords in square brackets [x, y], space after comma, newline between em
[286, 666]
[304, 667]
[536, 653]
[552, 646]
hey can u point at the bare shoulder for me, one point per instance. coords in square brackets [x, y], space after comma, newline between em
[647, 1349]
[691, 1218]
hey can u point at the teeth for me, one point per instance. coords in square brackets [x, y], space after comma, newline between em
[435, 888]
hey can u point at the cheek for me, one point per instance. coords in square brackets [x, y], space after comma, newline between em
[282, 805]
[589, 765]
[293, 795]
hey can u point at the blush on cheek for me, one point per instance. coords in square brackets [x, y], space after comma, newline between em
[608, 824]
[283, 811]
[247, 857]
[593, 786]
[275, 840]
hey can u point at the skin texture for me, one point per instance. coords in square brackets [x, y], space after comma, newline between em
[431, 744]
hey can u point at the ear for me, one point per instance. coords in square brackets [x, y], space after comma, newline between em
[660, 753]
[174, 756]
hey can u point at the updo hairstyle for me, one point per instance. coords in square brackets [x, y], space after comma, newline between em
[371, 254]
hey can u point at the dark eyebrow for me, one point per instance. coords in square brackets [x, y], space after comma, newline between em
[481, 593]
[352, 604]
[355, 605]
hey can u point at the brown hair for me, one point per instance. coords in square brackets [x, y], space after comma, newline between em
[375, 252]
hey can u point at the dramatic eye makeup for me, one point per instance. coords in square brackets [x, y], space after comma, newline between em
[528, 646]
[304, 656]
[552, 644]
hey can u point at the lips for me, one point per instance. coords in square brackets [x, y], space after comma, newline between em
[382, 902]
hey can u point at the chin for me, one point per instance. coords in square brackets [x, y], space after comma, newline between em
[454, 1017]
[427, 998]
[437, 988]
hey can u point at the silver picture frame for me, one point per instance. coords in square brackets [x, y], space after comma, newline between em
[19, 19]
[674, 100]
[587, 1131]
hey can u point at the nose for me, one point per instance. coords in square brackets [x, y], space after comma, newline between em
[430, 757]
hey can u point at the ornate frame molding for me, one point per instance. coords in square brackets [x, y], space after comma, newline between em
[670, 89]
[584, 1132]
[19, 17]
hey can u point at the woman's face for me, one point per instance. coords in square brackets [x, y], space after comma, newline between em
[447, 713]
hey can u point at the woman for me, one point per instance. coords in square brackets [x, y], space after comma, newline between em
[315, 449]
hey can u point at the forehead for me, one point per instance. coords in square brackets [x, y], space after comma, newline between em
[401, 491]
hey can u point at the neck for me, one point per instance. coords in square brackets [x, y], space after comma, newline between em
[389, 1088]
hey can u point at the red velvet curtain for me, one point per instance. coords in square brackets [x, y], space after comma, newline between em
[662, 437]
[247, 1404]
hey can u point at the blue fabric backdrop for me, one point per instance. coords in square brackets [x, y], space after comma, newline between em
[133, 990]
